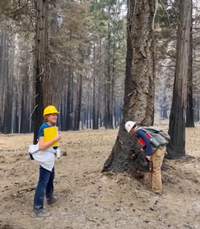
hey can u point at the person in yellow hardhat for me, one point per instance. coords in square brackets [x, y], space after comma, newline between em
[46, 176]
[156, 157]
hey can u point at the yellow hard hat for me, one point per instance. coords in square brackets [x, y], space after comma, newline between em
[50, 110]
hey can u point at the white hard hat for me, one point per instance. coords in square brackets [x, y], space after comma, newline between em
[129, 125]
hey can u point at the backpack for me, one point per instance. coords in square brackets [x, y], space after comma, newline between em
[159, 138]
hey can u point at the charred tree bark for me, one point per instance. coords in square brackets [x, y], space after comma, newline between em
[94, 113]
[139, 82]
[7, 127]
[108, 90]
[68, 101]
[78, 105]
[112, 84]
[176, 147]
[25, 95]
[190, 108]
[70, 105]
[42, 81]
[197, 107]
[24, 109]
[64, 110]
[95, 107]
[2, 77]
[99, 85]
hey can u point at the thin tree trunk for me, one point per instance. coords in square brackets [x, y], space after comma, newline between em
[72, 102]
[112, 85]
[94, 116]
[108, 111]
[25, 95]
[95, 73]
[190, 109]
[8, 93]
[2, 77]
[69, 91]
[64, 110]
[78, 106]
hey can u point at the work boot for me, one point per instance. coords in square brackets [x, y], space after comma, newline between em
[40, 214]
[53, 200]
[158, 194]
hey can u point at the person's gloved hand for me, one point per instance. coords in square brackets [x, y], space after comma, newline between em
[148, 158]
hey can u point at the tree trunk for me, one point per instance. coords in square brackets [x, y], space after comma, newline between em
[108, 90]
[112, 84]
[78, 105]
[95, 107]
[197, 115]
[7, 127]
[139, 82]
[190, 109]
[64, 111]
[2, 77]
[94, 115]
[24, 109]
[69, 105]
[25, 95]
[42, 81]
[176, 147]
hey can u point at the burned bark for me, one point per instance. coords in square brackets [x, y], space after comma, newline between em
[190, 108]
[42, 81]
[139, 83]
[176, 146]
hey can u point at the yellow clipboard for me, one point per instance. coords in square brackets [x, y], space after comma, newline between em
[50, 133]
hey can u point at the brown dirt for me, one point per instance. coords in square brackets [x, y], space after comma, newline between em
[89, 199]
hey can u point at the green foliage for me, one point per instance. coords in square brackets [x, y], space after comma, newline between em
[107, 19]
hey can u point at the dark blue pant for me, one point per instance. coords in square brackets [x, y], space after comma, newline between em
[45, 183]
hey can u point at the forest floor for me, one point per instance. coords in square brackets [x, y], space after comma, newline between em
[89, 199]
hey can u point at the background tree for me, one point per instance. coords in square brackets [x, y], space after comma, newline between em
[86, 56]
[165, 45]
[42, 81]
[73, 29]
[176, 147]
[190, 108]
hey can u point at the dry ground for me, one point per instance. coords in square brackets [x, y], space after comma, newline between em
[91, 200]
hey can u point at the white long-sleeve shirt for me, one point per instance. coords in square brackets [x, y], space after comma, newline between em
[45, 158]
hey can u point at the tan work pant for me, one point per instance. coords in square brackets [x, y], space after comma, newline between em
[155, 176]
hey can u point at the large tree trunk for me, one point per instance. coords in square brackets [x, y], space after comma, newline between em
[176, 147]
[190, 108]
[139, 82]
[42, 81]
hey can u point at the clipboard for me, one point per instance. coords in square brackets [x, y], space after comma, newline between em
[50, 133]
